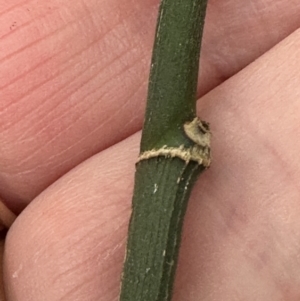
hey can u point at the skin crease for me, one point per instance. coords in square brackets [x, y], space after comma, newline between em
[241, 236]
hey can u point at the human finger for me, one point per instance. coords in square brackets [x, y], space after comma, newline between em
[74, 76]
[240, 240]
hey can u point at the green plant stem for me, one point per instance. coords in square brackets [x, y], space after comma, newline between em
[174, 73]
[175, 149]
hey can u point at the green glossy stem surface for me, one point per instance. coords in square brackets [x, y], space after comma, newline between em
[174, 72]
[163, 182]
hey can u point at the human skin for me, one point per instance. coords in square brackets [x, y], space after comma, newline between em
[73, 90]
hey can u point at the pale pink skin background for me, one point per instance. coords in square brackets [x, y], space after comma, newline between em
[73, 79]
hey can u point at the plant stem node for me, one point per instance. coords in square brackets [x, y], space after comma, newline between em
[198, 132]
